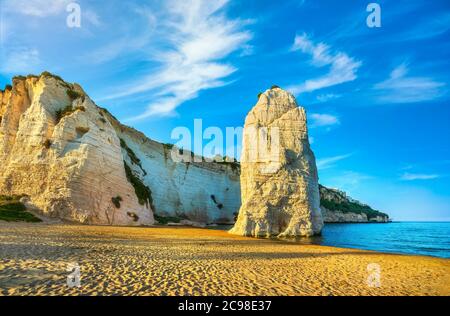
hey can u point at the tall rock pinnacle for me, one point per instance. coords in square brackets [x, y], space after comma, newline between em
[279, 181]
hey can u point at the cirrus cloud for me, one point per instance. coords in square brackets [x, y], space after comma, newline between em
[400, 88]
[343, 68]
[199, 36]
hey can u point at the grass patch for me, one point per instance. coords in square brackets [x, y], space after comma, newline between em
[12, 210]
[47, 74]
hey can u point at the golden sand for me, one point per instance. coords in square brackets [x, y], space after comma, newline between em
[188, 261]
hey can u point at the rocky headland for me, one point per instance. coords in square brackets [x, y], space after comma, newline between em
[338, 207]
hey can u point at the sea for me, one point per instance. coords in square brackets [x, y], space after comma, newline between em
[414, 238]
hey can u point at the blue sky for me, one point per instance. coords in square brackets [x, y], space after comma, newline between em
[377, 98]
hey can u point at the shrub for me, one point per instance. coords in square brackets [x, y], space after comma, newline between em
[50, 75]
[116, 201]
[73, 95]
[19, 78]
[8, 87]
[259, 95]
[164, 220]
[130, 153]
[168, 146]
[143, 193]
[274, 87]
[47, 143]
[63, 112]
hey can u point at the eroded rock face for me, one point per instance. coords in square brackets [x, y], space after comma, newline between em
[279, 181]
[57, 147]
[74, 168]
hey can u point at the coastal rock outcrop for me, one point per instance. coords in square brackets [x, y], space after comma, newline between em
[279, 181]
[338, 207]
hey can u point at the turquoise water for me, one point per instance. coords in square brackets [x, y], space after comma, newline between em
[418, 238]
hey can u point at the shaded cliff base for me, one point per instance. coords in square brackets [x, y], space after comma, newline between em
[187, 261]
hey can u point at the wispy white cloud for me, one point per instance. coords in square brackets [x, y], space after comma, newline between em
[329, 162]
[418, 176]
[327, 97]
[342, 67]
[36, 8]
[92, 17]
[20, 60]
[48, 8]
[199, 37]
[319, 120]
[427, 28]
[399, 88]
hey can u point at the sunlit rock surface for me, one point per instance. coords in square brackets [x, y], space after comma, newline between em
[280, 191]
[71, 158]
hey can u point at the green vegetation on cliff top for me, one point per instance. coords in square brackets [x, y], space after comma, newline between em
[351, 207]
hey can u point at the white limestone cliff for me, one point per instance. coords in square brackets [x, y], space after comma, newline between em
[280, 191]
[57, 148]
[75, 161]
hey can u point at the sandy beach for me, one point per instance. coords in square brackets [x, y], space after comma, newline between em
[188, 261]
